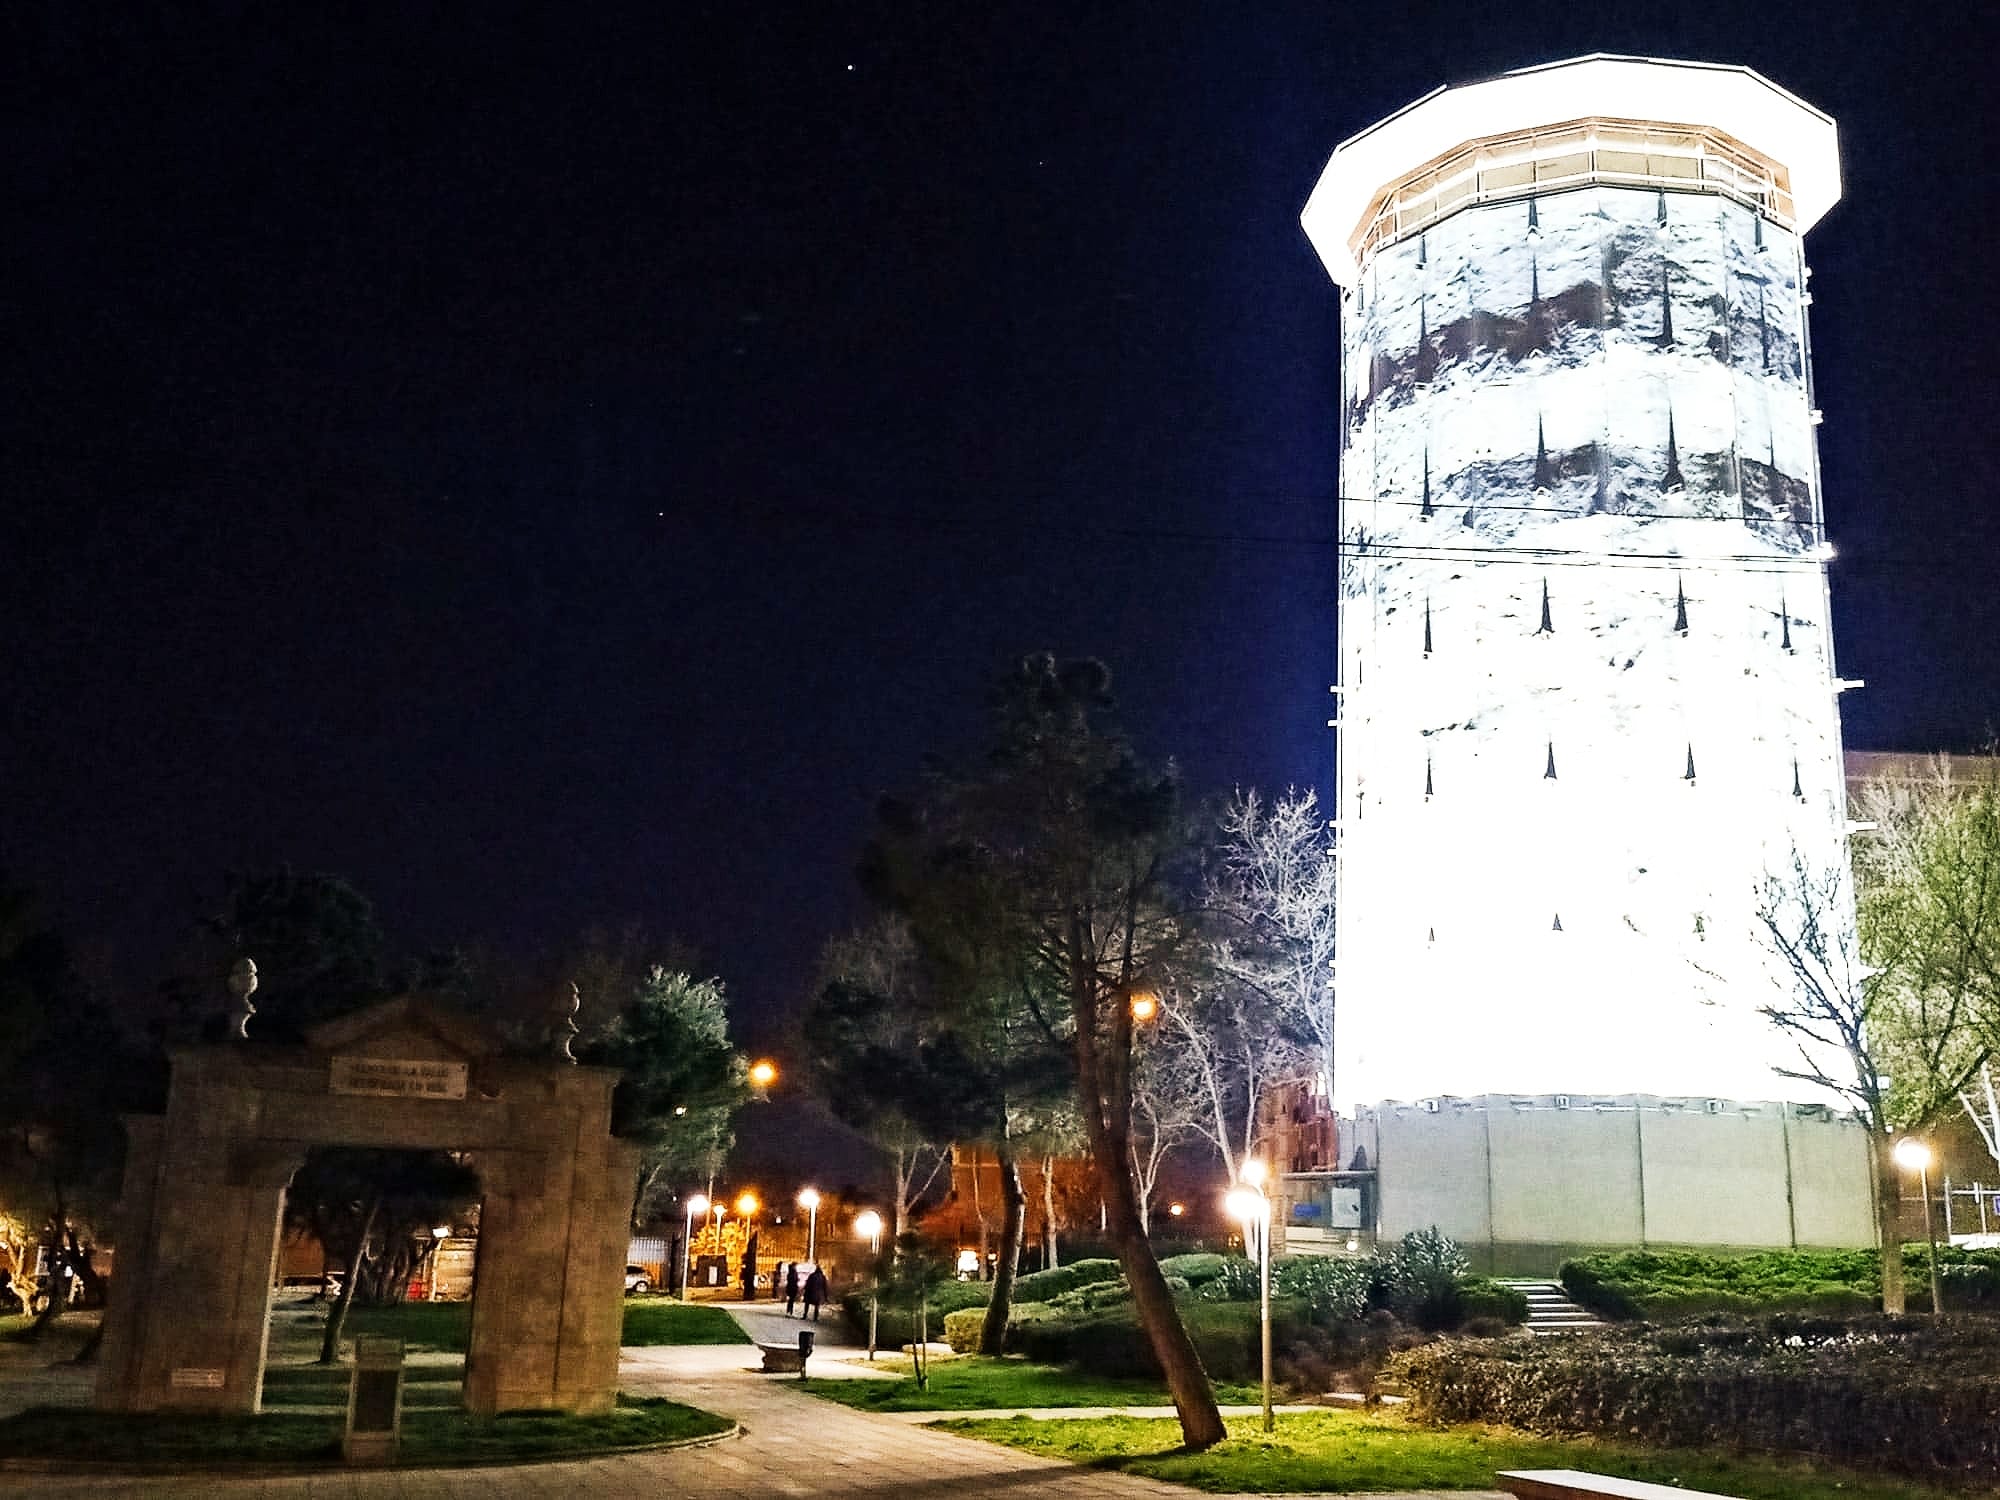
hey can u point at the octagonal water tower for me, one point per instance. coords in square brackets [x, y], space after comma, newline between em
[1587, 706]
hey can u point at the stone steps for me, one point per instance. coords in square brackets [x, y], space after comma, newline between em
[1549, 1309]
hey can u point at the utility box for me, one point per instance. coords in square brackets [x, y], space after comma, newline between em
[374, 1401]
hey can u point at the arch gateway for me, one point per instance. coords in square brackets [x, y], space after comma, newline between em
[204, 1191]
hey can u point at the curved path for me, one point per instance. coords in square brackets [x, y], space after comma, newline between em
[793, 1445]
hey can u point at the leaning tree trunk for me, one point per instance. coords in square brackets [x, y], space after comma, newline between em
[336, 1321]
[1105, 1086]
[1889, 1219]
[1013, 1229]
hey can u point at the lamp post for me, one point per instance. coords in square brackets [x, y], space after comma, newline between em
[809, 1201]
[1252, 1206]
[697, 1208]
[869, 1227]
[1913, 1155]
[439, 1234]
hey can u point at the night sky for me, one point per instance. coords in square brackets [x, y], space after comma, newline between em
[553, 465]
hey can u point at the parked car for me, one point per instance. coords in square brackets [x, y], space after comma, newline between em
[638, 1281]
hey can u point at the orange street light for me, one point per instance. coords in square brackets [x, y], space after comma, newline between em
[763, 1073]
[1145, 1006]
[747, 1204]
[1176, 1209]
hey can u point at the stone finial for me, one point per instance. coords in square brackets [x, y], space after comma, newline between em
[242, 985]
[562, 1029]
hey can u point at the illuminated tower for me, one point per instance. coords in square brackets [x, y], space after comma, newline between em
[1587, 702]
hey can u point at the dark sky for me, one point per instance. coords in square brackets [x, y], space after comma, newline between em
[555, 464]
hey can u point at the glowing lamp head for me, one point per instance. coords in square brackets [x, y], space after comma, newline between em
[809, 1198]
[1145, 1006]
[1254, 1172]
[698, 1205]
[1246, 1206]
[441, 1232]
[1176, 1209]
[1912, 1155]
[763, 1073]
[968, 1262]
[747, 1204]
[868, 1225]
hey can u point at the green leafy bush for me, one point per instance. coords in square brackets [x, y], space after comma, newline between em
[1236, 1281]
[1891, 1392]
[1331, 1287]
[1179, 1286]
[1045, 1286]
[1422, 1277]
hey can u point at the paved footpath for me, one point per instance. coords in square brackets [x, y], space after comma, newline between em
[793, 1445]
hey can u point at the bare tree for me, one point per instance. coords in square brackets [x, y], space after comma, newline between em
[1984, 1111]
[1275, 881]
[1166, 1110]
[1903, 1027]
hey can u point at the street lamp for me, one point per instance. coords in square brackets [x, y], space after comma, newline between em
[809, 1201]
[1912, 1155]
[1250, 1205]
[763, 1073]
[1145, 1005]
[439, 1234]
[697, 1208]
[868, 1226]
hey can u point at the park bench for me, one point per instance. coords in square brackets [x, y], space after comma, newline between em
[782, 1359]
[1570, 1484]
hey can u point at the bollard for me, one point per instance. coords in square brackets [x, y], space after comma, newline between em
[805, 1350]
[374, 1401]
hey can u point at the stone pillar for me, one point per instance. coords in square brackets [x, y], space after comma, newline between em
[187, 1327]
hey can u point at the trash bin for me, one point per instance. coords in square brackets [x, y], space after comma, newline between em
[374, 1401]
[805, 1350]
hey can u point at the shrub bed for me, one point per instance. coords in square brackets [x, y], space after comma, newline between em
[1870, 1390]
[896, 1327]
[1045, 1286]
[1112, 1343]
[1661, 1284]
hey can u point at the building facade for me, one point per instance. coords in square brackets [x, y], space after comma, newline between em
[1588, 703]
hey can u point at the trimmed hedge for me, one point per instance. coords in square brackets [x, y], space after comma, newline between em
[1046, 1286]
[1483, 1297]
[1224, 1333]
[1885, 1392]
[895, 1327]
[1665, 1284]
[962, 1329]
[1196, 1268]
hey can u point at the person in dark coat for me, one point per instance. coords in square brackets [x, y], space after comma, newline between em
[815, 1290]
[791, 1287]
[750, 1269]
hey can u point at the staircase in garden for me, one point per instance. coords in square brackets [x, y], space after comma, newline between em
[1549, 1309]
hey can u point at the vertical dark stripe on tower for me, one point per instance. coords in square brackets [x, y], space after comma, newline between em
[1680, 606]
[1548, 625]
[1675, 480]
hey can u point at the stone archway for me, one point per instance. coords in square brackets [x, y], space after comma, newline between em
[199, 1218]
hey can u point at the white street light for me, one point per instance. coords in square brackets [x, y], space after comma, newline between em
[1912, 1155]
[868, 1226]
[809, 1201]
[1253, 1208]
[697, 1208]
[439, 1234]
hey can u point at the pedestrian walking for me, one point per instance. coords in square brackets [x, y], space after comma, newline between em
[791, 1287]
[815, 1290]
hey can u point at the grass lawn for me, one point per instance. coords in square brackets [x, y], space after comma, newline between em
[421, 1325]
[326, 1385]
[649, 1321]
[977, 1383]
[429, 1437]
[1341, 1450]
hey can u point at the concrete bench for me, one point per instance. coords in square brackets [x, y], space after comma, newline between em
[782, 1359]
[1571, 1484]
